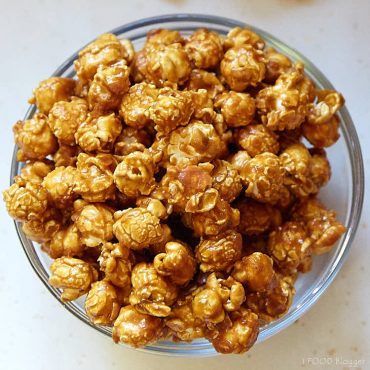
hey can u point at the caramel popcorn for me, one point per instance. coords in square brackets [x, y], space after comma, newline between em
[219, 252]
[243, 66]
[151, 293]
[174, 187]
[204, 49]
[34, 138]
[101, 303]
[50, 91]
[135, 328]
[177, 263]
[73, 276]
[65, 117]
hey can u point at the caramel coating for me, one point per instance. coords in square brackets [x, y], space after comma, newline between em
[215, 221]
[59, 184]
[289, 245]
[94, 178]
[237, 333]
[131, 140]
[219, 252]
[263, 176]
[324, 135]
[243, 36]
[256, 218]
[284, 106]
[226, 180]
[321, 224]
[65, 117]
[35, 171]
[116, 261]
[25, 201]
[177, 263]
[34, 138]
[207, 306]
[109, 85]
[276, 65]
[104, 51]
[256, 139]
[98, 134]
[238, 109]
[204, 49]
[197, 142]
[95, 224]
[171, 109]
[151, 293]
[134, 175]
[200, 79]
[73, 276]
[137, 228]
[162, 36]
[101, 303]
[66, 155]
[135, 328]
[255, 271]
[50, 91]
[135, 105]
[243, 66]
[320, 170]
[203, 106]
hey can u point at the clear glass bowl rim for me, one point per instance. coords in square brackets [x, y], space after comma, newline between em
[358, 186]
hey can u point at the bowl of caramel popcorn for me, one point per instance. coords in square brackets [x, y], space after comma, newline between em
[186, 184]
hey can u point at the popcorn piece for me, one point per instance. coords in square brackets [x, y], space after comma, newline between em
[324, 135]
[35, 171]
[243, 36]
[203, 106]
[200, 79]
[73, 276]
[131, 140]
[276, 65]
[163, 36]
[320, 171]
[66, 155]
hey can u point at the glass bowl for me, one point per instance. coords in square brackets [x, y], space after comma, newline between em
[344, 193]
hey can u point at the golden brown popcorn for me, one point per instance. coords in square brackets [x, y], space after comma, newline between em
[137, 228]
[134, 175]
[255, 271]
[59, 184]
[34, 138]
[200, 79]
[289, 245]
[135, 328]
[171, 109]
[207, 306]
[154, 206]
[73, 276]
[35, 171]
[117, 261]
[101, 305]
[219, 252]
[243, 66]
[238, 109]
[197, 142]
[182, 323]
[204, 48]
[108, 87]
[239, 160]
[320, 171]
[95, 224]
[65, 117]
[256, 139]
[25, 201]
[226, 180]
[66, 155]
[129, 51]
[243, 36]
[163, 36]
[276, 64]
[203, 106]
[94, 179]
[323, 135]
[272, 304]
[50, 91]
[256, 218]
[151, 293]
[284, 106]
[322, 226]
[263, 176]
[98, 134]
[65, 243]
[166, 64]
[104, 51]
[177, 264]
[215, 221]
[131, 140]
[136, 103]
